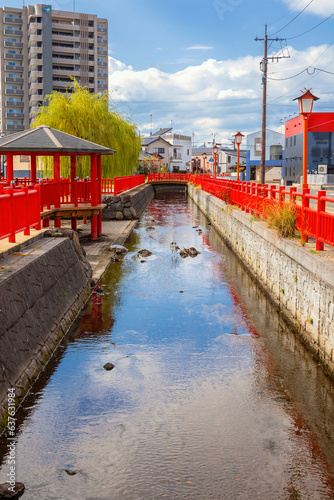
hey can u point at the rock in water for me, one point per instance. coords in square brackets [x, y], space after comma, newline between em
[193, 252]
[144, 253]
[184, 253]
[70, 472]
[14, 492]
[118, 250]
[108, 366]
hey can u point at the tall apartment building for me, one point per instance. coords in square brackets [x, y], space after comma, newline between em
[40, 49]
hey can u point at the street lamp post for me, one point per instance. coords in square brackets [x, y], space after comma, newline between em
[204, 158]
[196, 165]
[305, 102]
[238, 139]
[215, 151]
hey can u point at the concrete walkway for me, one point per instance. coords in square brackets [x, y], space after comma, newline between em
[114, 232]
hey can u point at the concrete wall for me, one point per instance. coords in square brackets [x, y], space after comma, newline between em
[300, 283]
[128, 205]
[42, 288]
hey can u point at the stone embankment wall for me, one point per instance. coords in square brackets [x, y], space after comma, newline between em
[301, 283]
[42, 288]
[129, 205]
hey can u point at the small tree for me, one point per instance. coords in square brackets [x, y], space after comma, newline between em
[92, 117]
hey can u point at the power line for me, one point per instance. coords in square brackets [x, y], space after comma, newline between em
[311, 29]
[284, 15]
[299, 13]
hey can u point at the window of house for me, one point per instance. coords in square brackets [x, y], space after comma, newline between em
[159, 150]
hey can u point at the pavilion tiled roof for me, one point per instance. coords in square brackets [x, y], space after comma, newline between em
[47, 139]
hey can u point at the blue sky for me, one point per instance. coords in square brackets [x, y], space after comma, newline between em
[194, 63]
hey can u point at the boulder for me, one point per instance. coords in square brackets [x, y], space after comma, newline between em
[193, 252]
[184, 253]
[125, 198]
[108, 366]
[144, 253]
[14, 492]
[119, 215]
[118, 250]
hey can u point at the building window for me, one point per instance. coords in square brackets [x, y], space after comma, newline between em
[159, 150]
[294, 140]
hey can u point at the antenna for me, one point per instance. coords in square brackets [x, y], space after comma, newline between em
[151, 124]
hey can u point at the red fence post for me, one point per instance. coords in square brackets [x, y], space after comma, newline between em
[27, 210]
[321, 207]
[305, 206]
[11, 214]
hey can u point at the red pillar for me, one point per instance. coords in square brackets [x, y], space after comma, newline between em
[99, 192]
[73, 168]
[10, 167]
[56, 177]
[94, 194]
[33, 168]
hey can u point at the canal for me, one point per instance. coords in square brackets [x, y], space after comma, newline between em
[211, 396]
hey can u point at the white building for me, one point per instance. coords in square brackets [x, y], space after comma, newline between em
[174, 148]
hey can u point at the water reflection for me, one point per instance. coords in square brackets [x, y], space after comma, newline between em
[212, 396]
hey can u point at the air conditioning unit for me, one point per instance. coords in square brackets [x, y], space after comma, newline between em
[322, 169]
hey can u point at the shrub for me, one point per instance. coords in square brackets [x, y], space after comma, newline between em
[282, 217]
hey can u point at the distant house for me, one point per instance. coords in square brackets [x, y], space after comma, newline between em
[227, 159]
[175, 149]
[274, 155]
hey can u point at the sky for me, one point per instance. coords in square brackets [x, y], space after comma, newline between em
[195, 65]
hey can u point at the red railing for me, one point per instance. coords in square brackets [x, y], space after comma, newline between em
[124, 183]
[312, 218]
[168, 177]
[20, 211]
[107, 186]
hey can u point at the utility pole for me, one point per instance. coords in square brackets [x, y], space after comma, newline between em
[264, 67]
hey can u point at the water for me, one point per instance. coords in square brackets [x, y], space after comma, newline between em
[211, 397]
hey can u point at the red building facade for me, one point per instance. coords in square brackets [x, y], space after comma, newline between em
[320, 146]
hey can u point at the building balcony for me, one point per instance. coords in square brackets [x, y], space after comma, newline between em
[59, 58]
[13, 20]
[14, 92]
[64, 26]
[102, 75]
[15, 115]
[34, 38]
[35, 86]
[16, 104]
[34, 25]
[102, 30]
[102, 41]
[8, 55]
[14, 127]
[33, 74]
[10, 79]
[33, 98]
[18, 45]
[102, 53]
[64, 50]
[14, 32]
[63, 72]
[102, 87]
[9, 67]
[176, 157]
[33, 51]
[64, 36]
[102, 64]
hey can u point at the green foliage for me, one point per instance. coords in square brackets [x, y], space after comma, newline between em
[91, 117]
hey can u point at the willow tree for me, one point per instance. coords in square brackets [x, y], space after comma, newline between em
[91, 117]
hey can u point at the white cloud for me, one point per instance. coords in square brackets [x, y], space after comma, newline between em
[220, 96]
[199, 47]
[318, 7]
